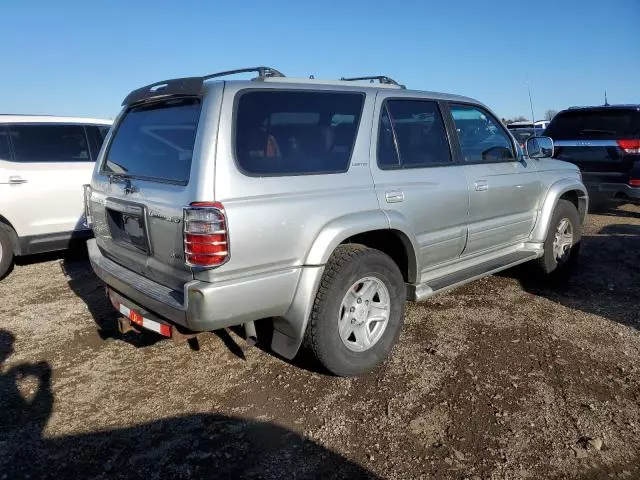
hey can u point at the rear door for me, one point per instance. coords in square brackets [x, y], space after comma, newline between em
[41, 185]
[415, 176]
[142, 183]
[504, 188]
[589, 139]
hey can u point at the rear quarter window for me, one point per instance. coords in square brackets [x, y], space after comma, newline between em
[279, 133]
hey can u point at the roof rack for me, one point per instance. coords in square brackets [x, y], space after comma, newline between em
[263, 72]
[383, 79]
[190, 86]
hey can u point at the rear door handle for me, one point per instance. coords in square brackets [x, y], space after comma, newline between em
[16, 180]
[481, 185]
[394, 196]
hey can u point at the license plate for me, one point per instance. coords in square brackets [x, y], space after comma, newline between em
[128, 228]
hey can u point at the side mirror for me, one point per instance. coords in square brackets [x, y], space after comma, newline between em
[539, 147]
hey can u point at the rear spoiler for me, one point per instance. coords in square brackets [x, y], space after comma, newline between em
[189, 86]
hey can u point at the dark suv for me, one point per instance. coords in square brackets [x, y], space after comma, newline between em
[605, 143]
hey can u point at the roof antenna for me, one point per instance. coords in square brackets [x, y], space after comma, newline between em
[606, 104]
[533, 120]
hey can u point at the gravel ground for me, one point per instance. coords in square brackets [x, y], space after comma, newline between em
[505, 378]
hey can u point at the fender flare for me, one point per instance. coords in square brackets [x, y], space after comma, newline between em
[339, 229]
[556, 190]
[289, 329]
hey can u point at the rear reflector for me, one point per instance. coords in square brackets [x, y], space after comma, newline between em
[630, 146]
[137, 318]
[206, 241]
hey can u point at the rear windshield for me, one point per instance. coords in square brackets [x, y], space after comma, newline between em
[296, 133]
[155, 142]
[522, 134]
[606, 124]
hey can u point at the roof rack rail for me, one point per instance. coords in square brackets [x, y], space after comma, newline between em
[189, 85]
[383, 79]
[263, 72]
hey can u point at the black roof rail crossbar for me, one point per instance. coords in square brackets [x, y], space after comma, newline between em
[188, 86]
[263, 72]
[381, 78]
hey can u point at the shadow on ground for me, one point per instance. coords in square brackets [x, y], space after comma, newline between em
[605, 280]
[193, 446]
[88, 287]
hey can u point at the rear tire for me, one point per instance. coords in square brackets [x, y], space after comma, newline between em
[6, 253]
[358, 311]
[562, 245]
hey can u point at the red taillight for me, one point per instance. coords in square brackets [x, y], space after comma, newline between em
[630, 146]
[634, 182]
[206, 241]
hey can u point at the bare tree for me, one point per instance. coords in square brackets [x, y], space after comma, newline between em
[549, 114]
[520, 118]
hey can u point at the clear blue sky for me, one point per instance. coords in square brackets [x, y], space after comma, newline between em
[82, 57]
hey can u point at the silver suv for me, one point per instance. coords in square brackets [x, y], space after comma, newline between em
[320, 205]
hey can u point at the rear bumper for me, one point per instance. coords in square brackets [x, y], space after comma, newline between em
[201, 306]
[614, 191]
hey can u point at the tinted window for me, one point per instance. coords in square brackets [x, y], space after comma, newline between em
[417, 129]
[49, 143]
[605, 124]
[155, 141]
[103, 129]
[482, 139]
[292, 133]
[522, 134]
[96, 134]
[5, 153]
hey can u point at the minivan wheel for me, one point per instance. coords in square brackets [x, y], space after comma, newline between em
[358, 311]
[562, 244]
[6, 253]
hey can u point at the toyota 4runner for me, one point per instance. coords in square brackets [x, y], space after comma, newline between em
[320, 205]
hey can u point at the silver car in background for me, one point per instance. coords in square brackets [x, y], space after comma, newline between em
[320, 205]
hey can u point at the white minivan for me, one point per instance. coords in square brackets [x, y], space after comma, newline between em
[44, 163]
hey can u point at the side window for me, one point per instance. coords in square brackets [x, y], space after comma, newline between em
[412, 134]
[482, 139]
[296, 132]
[103, 129]
[96, 134]
[49, 143]
[5, 152]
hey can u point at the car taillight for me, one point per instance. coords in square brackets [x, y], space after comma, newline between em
[630, 146]
[634, 182]
[87, 206]
[206, 240]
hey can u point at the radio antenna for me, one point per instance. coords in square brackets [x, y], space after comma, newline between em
[533, 120]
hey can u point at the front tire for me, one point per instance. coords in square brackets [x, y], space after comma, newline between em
[358, 311]
[6, 253]
[562, 244]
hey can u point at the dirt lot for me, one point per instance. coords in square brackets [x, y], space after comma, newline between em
[501, 379]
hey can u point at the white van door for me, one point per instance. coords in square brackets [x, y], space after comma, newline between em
[41, 179]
